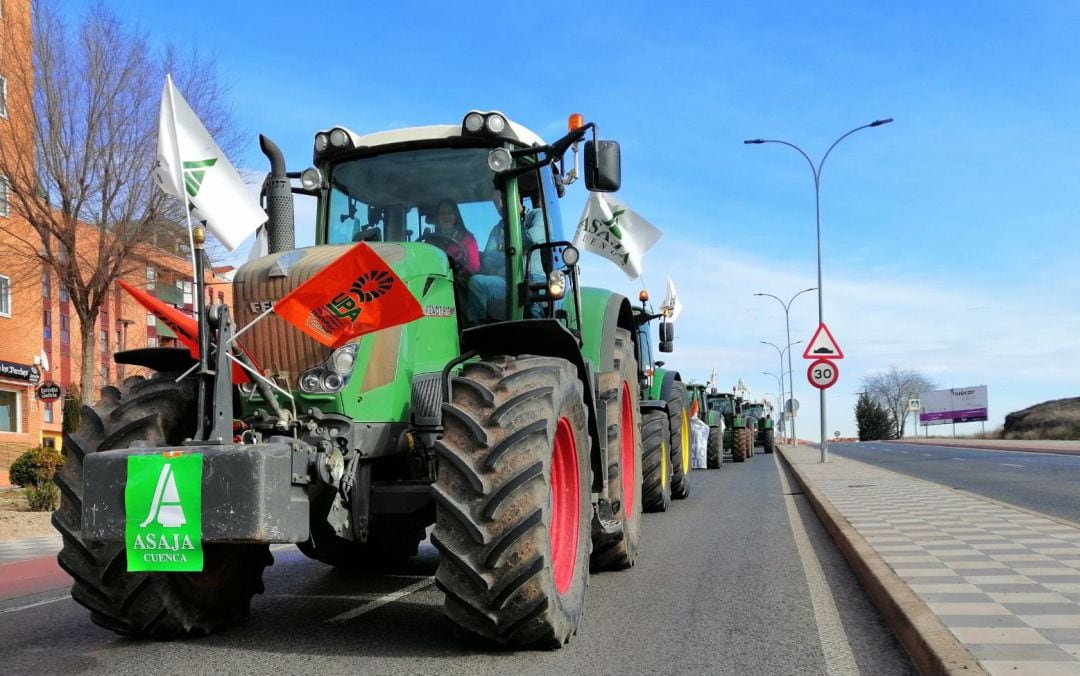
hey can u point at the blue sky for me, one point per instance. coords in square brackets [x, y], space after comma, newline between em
[950, 239]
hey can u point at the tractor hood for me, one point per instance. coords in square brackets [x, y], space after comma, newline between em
[285, 352]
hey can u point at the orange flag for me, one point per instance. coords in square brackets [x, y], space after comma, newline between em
[356, 294]
[184, 326]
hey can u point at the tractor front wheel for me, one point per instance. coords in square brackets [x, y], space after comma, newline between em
[147, 605]
[770, 441]
[740, 440]
[656, 470]
[714, 450]
[679, 417]
[512, 502]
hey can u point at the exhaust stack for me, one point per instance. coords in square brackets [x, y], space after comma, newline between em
[281, 221]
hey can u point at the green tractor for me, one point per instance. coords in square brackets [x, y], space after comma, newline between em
[739, 429]
[665, 422]
[507, 416]
[765, 437]
[714, 449]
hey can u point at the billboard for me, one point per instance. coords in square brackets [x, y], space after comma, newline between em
[960, 404]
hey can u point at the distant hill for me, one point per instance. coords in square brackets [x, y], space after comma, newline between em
[1057, 419]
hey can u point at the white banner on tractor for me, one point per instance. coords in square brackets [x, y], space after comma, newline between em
[611, 229]
[192, 167]
[671, 301]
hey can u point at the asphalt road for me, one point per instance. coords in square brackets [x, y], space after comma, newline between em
[719, 588]
[1043, 482]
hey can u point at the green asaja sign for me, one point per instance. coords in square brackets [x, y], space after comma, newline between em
[163, 513]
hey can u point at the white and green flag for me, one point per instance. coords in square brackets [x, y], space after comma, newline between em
[611, 229]
[192, 167]
[671, 302]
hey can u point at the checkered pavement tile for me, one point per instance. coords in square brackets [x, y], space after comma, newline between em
[1004, 581]
[29, 548]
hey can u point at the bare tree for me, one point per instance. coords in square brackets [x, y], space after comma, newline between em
[893, 388]
[84, 110]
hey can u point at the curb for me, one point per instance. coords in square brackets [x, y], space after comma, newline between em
[933, 649]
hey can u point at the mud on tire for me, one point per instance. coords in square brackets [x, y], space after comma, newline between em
[680, 441]
[656, 472]
[714, 450]
[512, 510]
[151, 605]
[620, 394]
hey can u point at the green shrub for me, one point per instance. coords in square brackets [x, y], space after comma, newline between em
[35, 467]
[43, 498]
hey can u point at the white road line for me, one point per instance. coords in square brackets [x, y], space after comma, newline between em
[1009, 464]
[835, 644]
[382, 601]
[929, 455]
[35, 605]
[960, 459]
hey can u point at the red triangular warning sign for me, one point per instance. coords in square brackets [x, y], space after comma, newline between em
[823, 345]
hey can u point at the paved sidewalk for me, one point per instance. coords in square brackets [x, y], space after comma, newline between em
[1005, 582]
[29, 548]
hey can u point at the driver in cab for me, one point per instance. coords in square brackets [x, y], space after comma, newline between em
[451, 236]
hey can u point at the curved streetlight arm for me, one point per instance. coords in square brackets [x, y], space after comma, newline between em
[875, 123]
[813, 169]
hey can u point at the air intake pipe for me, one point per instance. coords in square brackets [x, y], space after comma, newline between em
[281, 218]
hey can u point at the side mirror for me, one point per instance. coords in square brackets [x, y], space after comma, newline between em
[667, 337]
[603, 166]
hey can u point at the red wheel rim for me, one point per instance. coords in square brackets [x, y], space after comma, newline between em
[626, 429]
[565, 506]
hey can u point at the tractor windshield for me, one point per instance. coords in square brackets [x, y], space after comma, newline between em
[441, 195]
[756, 410]
[724, 406]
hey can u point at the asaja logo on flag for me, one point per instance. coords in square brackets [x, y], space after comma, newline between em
[373, 298]
[193, 175]
[611, 229]
[163, 509]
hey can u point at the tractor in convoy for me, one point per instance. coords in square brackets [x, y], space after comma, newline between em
[665, 419]
[507, 415]
[738, 428]
[699, 397]
[765, 436]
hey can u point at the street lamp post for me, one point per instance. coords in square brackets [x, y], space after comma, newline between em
[780, 384]
[781, 353]
[816, 170]
[791, 380]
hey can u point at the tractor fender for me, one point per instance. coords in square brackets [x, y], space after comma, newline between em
[548, 337]
[666, 383]
[603, 311]
[160, 359]
[646, 405]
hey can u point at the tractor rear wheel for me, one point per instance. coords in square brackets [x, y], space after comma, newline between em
[679, 418]
[770, 441]
[738, 444]
[656, 472]
[512, 502]
[147, 605]
[714, 450]
[618, 550]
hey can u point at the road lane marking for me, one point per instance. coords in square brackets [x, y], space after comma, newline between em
[35, 605]
[1009, 464]
[959, 458]
[905, 452]
[929, 455]
[835, 645]
[382, 601]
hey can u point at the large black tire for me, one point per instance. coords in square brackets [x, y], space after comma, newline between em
[150, 605]
[770, 441]
[618, 550]
[714, 450]
[511, 425]
[656, 470]
[739, 439]
[679, 418]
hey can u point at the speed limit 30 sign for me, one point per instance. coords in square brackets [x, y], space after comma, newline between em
[823, 373]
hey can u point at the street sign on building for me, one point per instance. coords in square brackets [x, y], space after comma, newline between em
[49, 391]
[823, 345]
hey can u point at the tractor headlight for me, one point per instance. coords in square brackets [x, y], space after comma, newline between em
[499, 160]
[247, 388]
[311, 179]
[339, 138]
[474, 122]
[343, 359]
[495, 123]
[571, 256]
[322, 142]
[331, 382]
[556, 284]
[309, 382]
